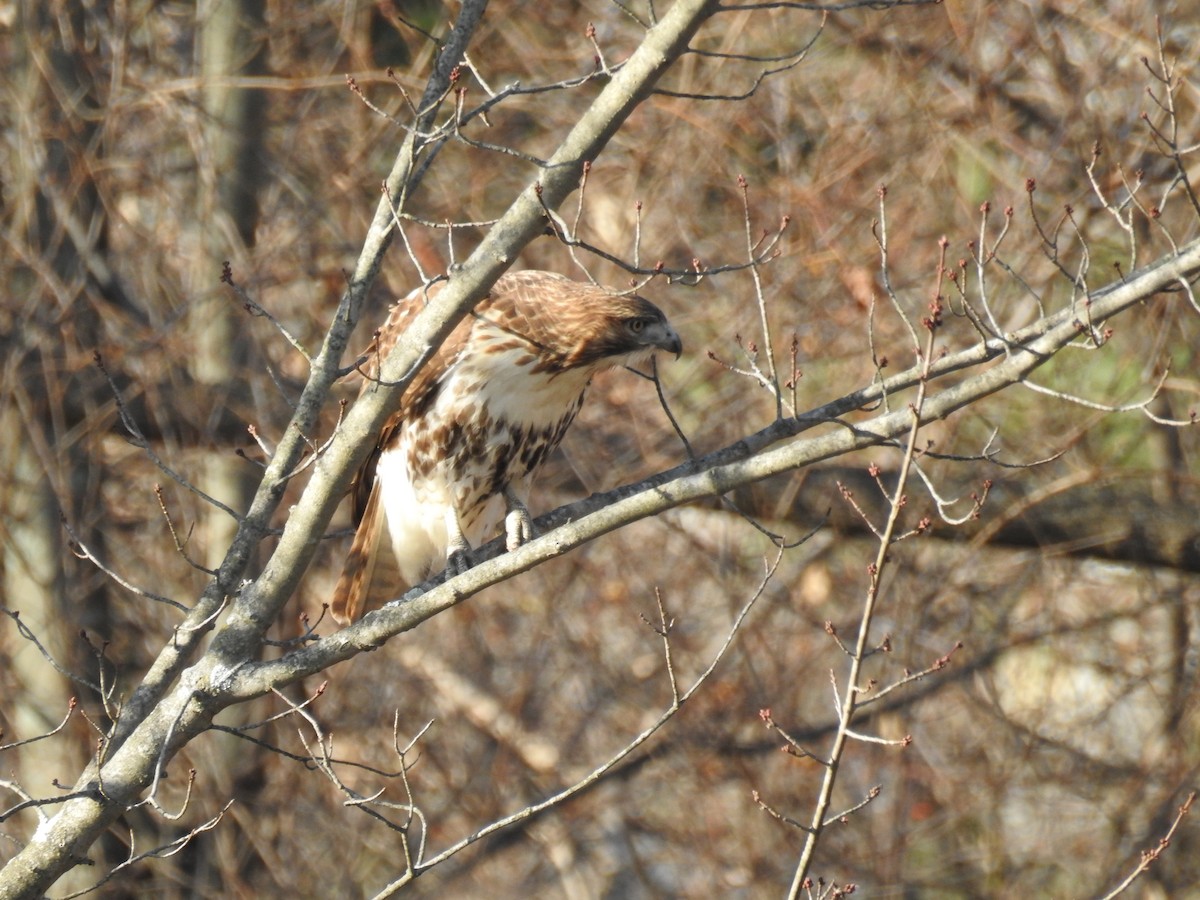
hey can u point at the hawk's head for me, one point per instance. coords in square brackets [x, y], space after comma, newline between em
[571, 325]
[622, 330]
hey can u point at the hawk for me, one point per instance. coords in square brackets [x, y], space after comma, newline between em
[480, 418]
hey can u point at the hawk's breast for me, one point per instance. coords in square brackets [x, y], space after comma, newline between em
[493, 422]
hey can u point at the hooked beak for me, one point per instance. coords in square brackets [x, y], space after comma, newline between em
[664, 337]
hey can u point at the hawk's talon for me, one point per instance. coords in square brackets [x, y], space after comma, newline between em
[518, 524]
[518, 529]
[458, 561]
[458, 548]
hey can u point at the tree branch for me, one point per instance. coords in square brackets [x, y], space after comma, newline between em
[749, 460]
[156, 723]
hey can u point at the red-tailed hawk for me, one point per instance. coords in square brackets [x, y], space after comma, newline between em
[478, 421]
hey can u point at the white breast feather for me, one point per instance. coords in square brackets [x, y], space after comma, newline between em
[514, 394]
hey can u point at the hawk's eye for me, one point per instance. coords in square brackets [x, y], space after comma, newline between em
[636, 325]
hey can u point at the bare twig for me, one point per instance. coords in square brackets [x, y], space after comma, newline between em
[1152, 855]
[600, 771]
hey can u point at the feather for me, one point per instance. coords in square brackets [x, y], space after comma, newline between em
[371, 567]
[458, 459]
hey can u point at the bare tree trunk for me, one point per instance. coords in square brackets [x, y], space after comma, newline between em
[232, 42]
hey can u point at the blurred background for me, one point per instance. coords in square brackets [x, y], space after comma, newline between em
[144, 143]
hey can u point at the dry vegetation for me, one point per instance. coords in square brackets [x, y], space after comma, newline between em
[1055, 746]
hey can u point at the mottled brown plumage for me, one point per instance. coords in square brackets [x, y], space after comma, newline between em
[478, 421]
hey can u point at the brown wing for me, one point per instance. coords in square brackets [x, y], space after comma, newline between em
[421, 391]
[370, 576]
